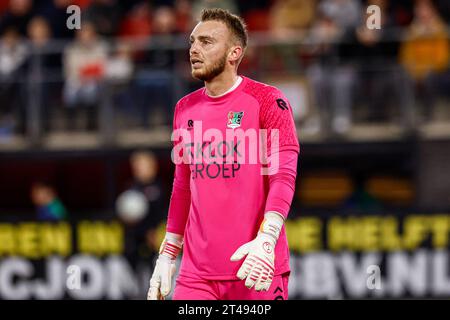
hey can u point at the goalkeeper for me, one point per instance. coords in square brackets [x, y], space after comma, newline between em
[228, 217]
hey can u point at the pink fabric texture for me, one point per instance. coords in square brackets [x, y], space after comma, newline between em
[282, 184]
[180, 200]
[219, 207]
[200, 289]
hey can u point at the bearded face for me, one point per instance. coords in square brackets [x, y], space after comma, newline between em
[207, 70]
[210, 44]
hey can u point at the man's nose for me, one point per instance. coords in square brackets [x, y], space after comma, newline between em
[193, 49]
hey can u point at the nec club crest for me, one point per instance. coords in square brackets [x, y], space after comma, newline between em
[234, 119]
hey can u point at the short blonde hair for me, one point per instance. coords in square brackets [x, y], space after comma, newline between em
[234, 23]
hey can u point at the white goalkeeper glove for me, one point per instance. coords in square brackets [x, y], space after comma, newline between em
[258, 267]
[161, 281]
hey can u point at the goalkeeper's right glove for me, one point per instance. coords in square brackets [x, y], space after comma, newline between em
[161, 281]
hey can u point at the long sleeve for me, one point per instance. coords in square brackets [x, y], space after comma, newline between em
[276, 115]
[180, 200]
[282, 184]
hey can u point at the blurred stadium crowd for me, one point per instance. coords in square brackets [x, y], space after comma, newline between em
[129, 61]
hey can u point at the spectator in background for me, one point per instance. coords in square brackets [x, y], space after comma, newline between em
[137, 23]
[358, 65]
[42, 62]
[55, 12]
[38, 31]
[425, 54]
[183, 13]
[84, 64]
[17, 16]
[13, 55]
[288, 20]
[156, 81]
[345, 13]
[48, 206]
[141, 234]
[137, 27]
[119, 66]
[331, 82]
[292, 18]
[119, 72]
[144, 166]
[164, 28]
[380, 82]
[105, 15]
[199, 5]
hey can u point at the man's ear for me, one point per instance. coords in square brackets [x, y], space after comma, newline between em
[235, 54]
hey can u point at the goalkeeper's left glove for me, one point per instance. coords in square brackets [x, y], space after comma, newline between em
[259, 265]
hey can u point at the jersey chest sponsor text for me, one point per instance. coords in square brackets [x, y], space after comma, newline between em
[214, 160]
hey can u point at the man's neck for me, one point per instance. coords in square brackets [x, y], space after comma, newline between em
[220, 84]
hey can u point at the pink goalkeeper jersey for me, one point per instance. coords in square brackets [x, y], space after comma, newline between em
[227, 200]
